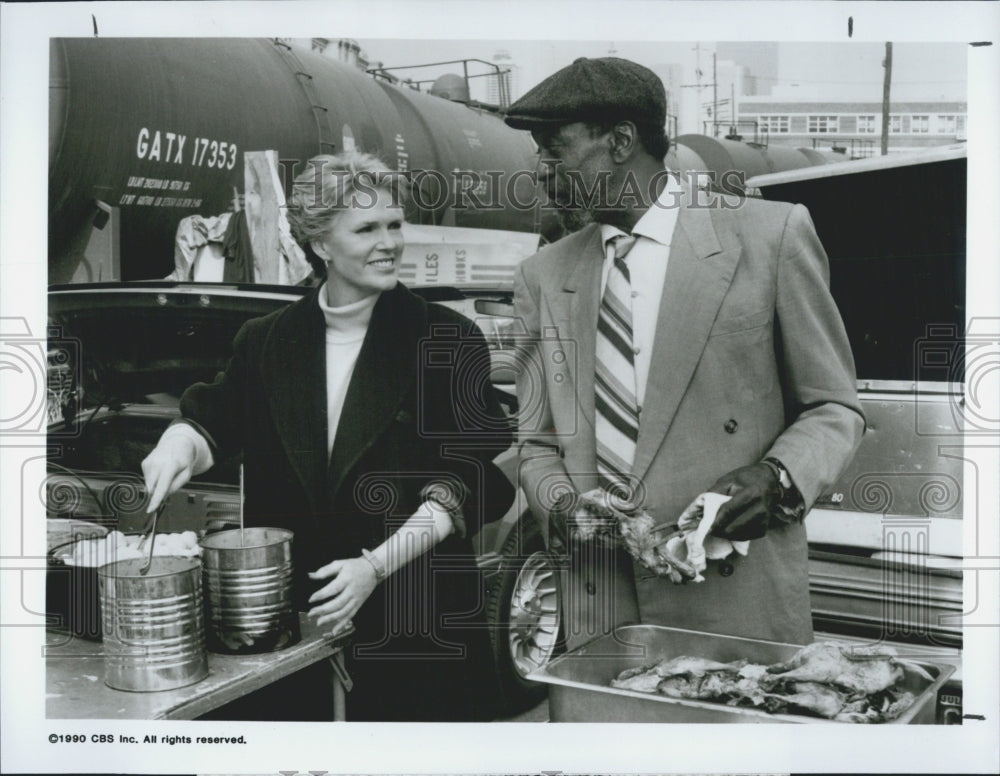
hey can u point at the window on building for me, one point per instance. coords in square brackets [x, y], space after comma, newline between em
[946, 125]
[823, 124]
[960, 123]
[920, 124]
[895, 123]
[773, 123]
[866, 124]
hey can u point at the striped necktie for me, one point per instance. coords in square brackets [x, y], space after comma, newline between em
[617, 412]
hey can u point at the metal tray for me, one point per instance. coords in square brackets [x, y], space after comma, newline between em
[580, 680]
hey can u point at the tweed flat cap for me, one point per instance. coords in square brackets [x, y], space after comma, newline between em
[592, 89]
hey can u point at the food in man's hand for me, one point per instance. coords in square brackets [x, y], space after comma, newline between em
[599, 514]
[646, 542]
[593, 515]
[823, 679]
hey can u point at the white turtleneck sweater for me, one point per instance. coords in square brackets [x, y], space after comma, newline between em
[345, 332]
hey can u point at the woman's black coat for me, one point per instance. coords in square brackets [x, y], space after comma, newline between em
[419, 409]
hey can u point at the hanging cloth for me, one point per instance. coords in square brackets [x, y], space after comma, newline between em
[237, 251]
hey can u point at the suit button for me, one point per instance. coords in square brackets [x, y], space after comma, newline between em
[591, 588]
[731, 426]
[726, 569]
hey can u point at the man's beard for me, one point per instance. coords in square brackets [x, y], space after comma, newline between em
[574, 218]
[572, 215]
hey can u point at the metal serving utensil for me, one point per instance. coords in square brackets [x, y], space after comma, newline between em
[152, 540]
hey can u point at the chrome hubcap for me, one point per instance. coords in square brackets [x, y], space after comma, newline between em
[534, 614]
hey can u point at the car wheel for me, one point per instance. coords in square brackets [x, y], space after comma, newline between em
[523, 612]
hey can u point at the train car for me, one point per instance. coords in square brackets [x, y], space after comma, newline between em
[153, 130]
[724, 165]
[144, 132]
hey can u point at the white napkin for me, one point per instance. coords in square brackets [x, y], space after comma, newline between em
[694, 544]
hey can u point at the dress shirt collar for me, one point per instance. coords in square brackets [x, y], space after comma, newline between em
[658, 222]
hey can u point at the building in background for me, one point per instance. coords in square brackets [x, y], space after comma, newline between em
[855, 127]
[713, 80]
[760, 61]
[503, 87]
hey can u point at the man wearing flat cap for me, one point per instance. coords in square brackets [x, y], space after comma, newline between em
[674, 349]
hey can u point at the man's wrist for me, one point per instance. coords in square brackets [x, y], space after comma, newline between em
[781, 476]
[791, 506]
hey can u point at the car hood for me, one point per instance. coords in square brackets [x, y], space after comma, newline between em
[146, 342]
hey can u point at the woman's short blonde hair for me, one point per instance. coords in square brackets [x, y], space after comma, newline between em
[331, 183]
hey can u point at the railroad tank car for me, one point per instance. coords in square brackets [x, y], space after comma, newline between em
[730, 163]
[157, 128]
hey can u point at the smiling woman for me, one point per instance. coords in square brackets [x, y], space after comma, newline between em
[362, 250]
[347, 213]
[345, 421]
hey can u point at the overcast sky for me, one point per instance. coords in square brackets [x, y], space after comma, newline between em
[921, 71]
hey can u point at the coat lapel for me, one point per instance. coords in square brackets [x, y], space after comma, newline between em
[384, 373]
[293, 375]
[575, 307]
[698, 275]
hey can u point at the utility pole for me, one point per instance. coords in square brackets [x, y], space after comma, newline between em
[886, 82]
[715, 98]
[732, 108]
[697, 78]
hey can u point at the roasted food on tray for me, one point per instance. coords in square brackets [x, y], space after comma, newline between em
[846, 684]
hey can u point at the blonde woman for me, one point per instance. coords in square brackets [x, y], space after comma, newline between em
[367, 425]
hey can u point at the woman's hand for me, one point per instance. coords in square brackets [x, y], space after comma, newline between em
[352, 581]
[168, 467]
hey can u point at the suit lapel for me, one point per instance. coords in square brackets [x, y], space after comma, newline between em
[575, 307]
[698, 275]
[384, 372]
[293, 375]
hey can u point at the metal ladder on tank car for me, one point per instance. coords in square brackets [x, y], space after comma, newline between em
[321, 114]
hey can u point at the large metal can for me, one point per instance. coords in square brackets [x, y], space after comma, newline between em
[248, 590]
[154, 632]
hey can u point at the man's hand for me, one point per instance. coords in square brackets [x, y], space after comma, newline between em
[755, 494]
[353, 580]
[167, 468]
